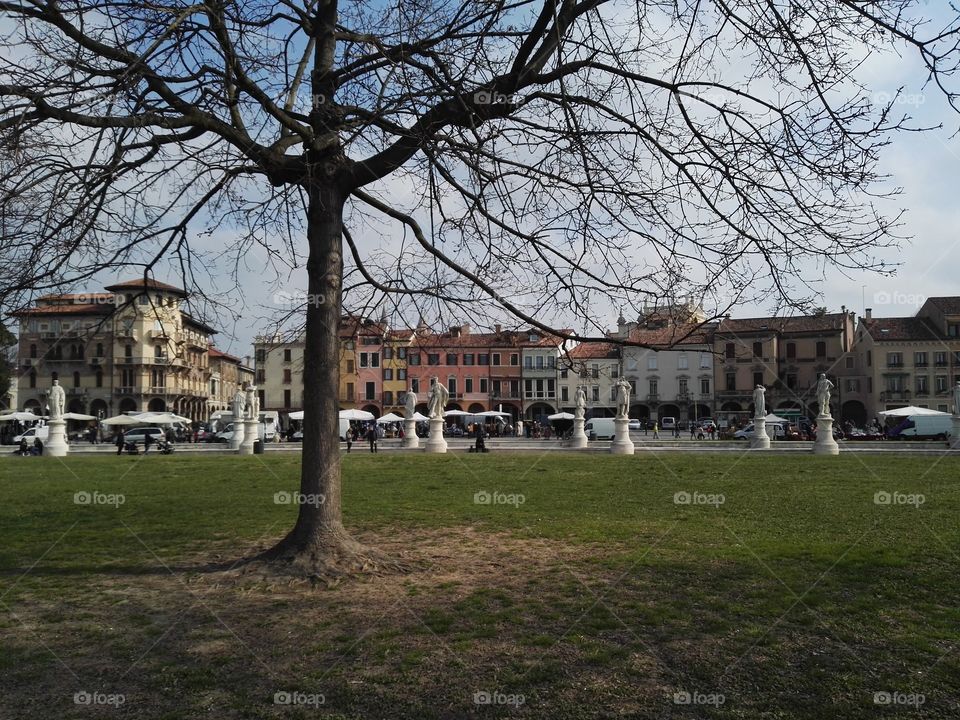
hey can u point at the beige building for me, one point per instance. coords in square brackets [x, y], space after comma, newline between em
[227, 375]
[911, 360]
[132, 348]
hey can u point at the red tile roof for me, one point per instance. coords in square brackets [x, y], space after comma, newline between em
[67, 309]
[213, 352]
[829, 322]
[947, 305]
[149, 284]
[903, 328]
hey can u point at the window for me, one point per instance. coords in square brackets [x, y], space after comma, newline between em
[350, 368]
[142, 299]
[682, 386]
[99, 349]
[563, 373]
[614, 372]
[895, 383]
[653, 388]
[551, 362]
[415, 384]
[433, 358]
[730, 351]
[704, 386]
[468, 358]
[953, 329]
[350, 392]
[402, 353]
[349, 344]
[894, 359]
[940, 359]
[853, 385]
[496, 359]
[595, 371]
[374, 359]
[364, 360]
[613, 393]
[158, 378]
[731, 381]
[791, 351]
[260, 354]
[287, 357]
[596, 393]
[401, 373]
[33, 379]
[682, 363]
[126, 378]
[128, 351]
[159, 353]
[452, 386]
[99, 378]
[849, 362]
[388, 353]
[388, 397]
[370, 391]
[413, 359]
[705, 360]
[261, 376]
[483, 385]
[388, 373]
[651, 362]
[564, 393]
[758, 349]
[287, 379]
[757, 379]
[286, 398]
[922, 386]
[451, 359]
[483, 359]
[941, 382]
[821, 349]
[33, 351]
[76, 379]
[792, 381]
[514, 359]
[920, 359]
[468, 385]
[515, 388]
[528, 362]
[495, 388]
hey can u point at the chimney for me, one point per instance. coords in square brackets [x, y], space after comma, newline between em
[868, 314]
[455, 331]
[496, 328]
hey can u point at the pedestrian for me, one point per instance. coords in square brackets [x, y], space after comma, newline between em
[146, 442]
[37, 446]
[693, 431]
[349, 438]
[120, 442]
[656, 431]
[372, 437]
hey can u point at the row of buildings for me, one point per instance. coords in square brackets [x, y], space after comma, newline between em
[134, 346]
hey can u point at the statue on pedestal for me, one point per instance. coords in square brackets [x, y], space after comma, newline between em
[823, 394]
[439, 396]
[410, 403]
[56, 400]
[581, 402]
[251, 398]
[623, 397]
[239, 405]
[759, 401]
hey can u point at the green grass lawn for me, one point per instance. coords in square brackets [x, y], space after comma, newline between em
[784, 588]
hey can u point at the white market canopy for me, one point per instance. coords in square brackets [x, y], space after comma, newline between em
[494, 413]
[296, 415]
[389, 418]
[356, 415]
[125, 420]
[77, 416]
[22, 416]
[561, 416]
[771, 418]
[163, 418]
[910, 410]
[456, 413]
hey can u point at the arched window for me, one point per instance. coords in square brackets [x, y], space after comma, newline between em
[128, 350]
[33, 351]
[159, 352]
[33, 379]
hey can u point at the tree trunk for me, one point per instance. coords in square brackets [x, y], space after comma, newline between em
[318, 544]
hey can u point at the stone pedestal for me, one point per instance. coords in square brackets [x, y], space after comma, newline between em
[955, 433]
[579, 437]
[436, 442]
[519, 429]
[251, 432]
[237, 440]
[56, 444]
[622, 444]
[760, 439]
[410, 439]
[825, 444]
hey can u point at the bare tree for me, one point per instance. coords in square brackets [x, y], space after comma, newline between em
[538, 157]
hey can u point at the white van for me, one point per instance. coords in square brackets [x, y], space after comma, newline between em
[600, 428]
[668, 423]
[927, 427]
[42, 432]
[269, 424]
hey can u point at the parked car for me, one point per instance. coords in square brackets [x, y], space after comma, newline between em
[600, 428]
[634, 424]
[668, 423]
[42, 432]
[137, 435]
[775, 431]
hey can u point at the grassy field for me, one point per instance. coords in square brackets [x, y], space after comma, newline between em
[562, 586]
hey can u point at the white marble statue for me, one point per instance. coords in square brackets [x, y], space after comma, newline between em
[623, 397]
[823, 394]
[56, 400]
[437, 402]
[239, 405]
[254, 403]
[410, 403]
[956, 398]
[581, 402]
[251, 397]
[759, 401]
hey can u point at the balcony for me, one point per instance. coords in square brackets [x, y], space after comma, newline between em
[653, 397]
[123, 391]
[75, 391]
[684, 397]
[925, 392]
[894, 395]
[895, 364]
[96, 360]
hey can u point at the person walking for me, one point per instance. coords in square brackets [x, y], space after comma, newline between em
[693, 430]
[372, 437]
[147, 437]
[120, 442]
[349, 438]
[656, 431]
